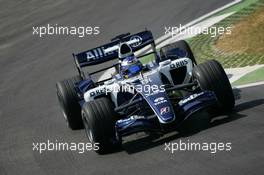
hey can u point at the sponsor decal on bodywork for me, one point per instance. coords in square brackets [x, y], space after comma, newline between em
[164, 110]
[179, 64]
[138, 39]
[97, 53]
[159, 101]
[98, 92]
[191, 97]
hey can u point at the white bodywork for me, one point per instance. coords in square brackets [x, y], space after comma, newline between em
[112, 86]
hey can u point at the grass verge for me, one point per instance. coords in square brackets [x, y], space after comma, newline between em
[252, 77]
[204, 46]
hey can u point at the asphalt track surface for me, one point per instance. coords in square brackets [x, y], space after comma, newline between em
[30, 67]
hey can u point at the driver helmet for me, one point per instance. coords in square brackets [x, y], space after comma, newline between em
[129, 64]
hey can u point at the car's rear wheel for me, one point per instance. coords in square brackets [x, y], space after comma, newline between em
[99, 120]
[177, 50]
[69, 104]
[211, 76]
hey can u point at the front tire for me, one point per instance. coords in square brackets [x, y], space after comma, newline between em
[69, 104]
[99, 120]
[211, 76]
[178, 49]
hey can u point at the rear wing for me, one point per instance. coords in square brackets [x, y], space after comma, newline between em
[102, 53]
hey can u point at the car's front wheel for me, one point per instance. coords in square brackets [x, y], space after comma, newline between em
[211, 76]
[99, 120]
[176, 50]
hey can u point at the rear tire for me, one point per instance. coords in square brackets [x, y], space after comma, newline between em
[211, 76]
[99, 120]
[69, 104]
[181, 48]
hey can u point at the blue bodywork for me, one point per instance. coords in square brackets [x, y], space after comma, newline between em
[159, 103]
[186, 107]
[164, 111]
[163, 108]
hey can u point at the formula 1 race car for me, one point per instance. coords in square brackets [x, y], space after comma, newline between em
[152, 97]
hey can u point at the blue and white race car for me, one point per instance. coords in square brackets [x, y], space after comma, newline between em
[153, 97]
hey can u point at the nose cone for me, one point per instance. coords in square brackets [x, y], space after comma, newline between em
[161, 106]
[154, 93]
